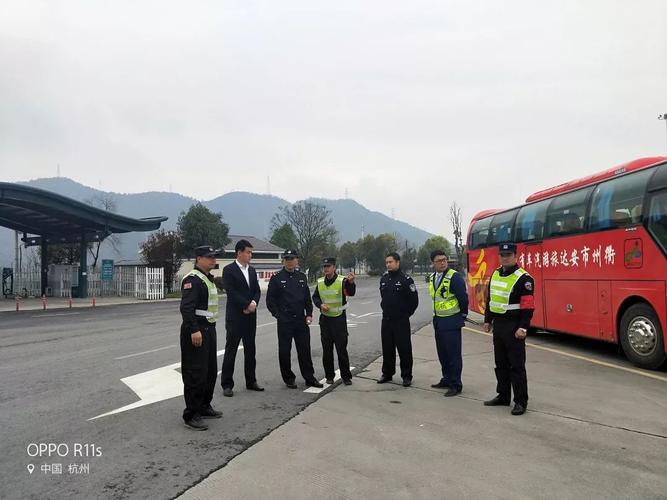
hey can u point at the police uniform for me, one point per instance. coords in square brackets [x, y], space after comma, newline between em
[399, 301]
[509, 307]
[288, 300]
[333, 323]
[450, 307]
[199, 364]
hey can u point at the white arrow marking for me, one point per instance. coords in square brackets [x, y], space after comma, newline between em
[153, 386]
[317, 390]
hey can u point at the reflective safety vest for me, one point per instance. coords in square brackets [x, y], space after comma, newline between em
[332, 295]
[501, 289]
[445, 302]
[211, 313]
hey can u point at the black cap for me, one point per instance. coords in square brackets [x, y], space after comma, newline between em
[290, 254]
[329, 260]
[206, 251]
[507, 247]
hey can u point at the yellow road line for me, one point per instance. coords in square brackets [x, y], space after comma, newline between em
[582, 358]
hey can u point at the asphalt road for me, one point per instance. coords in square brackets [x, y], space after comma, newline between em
[60, 369]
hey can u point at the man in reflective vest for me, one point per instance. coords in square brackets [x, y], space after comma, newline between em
[449, 301]
[330, 297]
[509, 309]
[199, 363]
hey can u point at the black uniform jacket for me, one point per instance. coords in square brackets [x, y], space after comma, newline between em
[288, 296]
[194, 295]
[399, 295]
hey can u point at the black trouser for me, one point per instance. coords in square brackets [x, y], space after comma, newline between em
[199, 369]
[396, 336]
[334, 333]
[298, 330]
[240, 329]
[448, 344]
[510, 355]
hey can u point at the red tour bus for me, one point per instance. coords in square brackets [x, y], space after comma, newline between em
[597, 249]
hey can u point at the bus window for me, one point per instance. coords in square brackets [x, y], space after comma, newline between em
[566, 213]
[618, 202]
[530, 221]
[479, 233]
[501, 227]
[657, 218]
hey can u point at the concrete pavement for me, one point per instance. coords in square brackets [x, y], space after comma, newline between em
[594, 429]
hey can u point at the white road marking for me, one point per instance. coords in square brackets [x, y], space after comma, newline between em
[368, 314]
[367, 302]
[317, 390]
[146, 352]
[54, 314]
[153, 386]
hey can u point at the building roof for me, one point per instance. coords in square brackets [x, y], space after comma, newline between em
[257, 244]
[60, 219]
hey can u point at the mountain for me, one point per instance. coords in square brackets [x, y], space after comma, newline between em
[351, 218]
[246, 213]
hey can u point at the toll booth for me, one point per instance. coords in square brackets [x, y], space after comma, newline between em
[46, 218]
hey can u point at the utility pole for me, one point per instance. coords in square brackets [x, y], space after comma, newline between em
[17, 268]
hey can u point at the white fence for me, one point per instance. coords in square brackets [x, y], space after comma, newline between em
[133, 281]
[28, 284]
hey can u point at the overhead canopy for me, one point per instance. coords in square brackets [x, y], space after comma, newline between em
[47, 218]
[60, 219]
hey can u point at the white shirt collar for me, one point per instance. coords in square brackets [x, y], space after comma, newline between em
[241, 265]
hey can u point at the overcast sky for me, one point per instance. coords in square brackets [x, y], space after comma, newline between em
[408, 104]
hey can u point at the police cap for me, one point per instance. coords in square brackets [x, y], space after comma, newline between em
[207, 251]
[507, 248]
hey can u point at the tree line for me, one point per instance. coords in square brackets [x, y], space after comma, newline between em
[304, 226]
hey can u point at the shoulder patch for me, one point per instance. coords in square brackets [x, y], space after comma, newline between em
[529, 285]
[413, 287]
[187, 286]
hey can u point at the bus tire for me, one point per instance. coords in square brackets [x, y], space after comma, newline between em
[641, 337]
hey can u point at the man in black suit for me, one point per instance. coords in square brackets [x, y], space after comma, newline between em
[242, 288]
